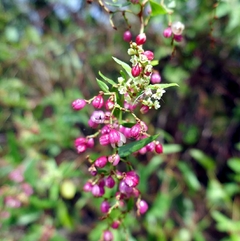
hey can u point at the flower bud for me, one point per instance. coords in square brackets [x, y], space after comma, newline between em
[141, 39]
[101, 162]
[142, 207]
[78, 104]
[144, 109]
[178, 38]
[159, 148]
[115, 224]
[107, 235]
[105, 206]
[109, 182]
[155, 78]
[109, 105]
[127, 36]
[97, 191]
[104, 140]
[98, 102]
[167, 33]
[136, 70]
[87, 187]
[131, 179]
[149, 55]
[135, 131]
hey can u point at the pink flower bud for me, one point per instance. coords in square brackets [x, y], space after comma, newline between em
[79, 141]
[101, 162]
[90, 143]
[141, 39]
[124, 188]
[87, 187]
[114, 136]
[78, 104]
[159, 148]
[98, 102]
[115, 224]
[16, 175]
[81, 148]
[143, 150]
[150, 146]
[135, 131]
[127, 36]
[105, 206]
[167, 33]
[98, 117]
[178, 38]
[142, 207]
[149, 55]
[109, 182]
[114, 159]
[131, 179]
[144, 109]
[97, 191]
[109, 105]
[136, 70]
[27, 189]
[92, 124]
[107, 235]
[155, 78]
[104, 140]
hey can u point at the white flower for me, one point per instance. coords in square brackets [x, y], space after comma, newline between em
[158, 94]
[156, 105]
[121, 141]
[122, 90]
[148, 92]
[120, 80]
[177, 28]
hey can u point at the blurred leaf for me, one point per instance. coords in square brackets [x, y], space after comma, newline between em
[13, 148]
[130, 148]
[204, 160]
[234, 164]
[63, 215]
[189, 176]
[27, 218]
[102, 86]
[171, 148]
[41, 203]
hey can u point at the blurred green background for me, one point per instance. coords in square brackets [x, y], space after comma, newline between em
[50, 54]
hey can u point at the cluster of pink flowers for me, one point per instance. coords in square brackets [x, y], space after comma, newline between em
[17, 195]
[107, 175]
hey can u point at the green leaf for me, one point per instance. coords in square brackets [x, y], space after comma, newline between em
[189, 176]
[102, 85]
[28, 218]
[163, 86]
[204, 160]
[63, 215]
[130, 148]
[154, 62]
[234, 164]
[158, 9]
[128, 124]
[124, 65]
[41, 203]
[111, 82]
[171, 148]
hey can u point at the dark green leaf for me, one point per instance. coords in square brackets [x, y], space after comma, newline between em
[128, 124]
[102, 85]
[130, 148]
[41, 203]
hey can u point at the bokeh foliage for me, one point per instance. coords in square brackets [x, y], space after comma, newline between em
[50, 54]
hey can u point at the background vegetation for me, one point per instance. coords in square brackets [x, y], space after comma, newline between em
[50, 54]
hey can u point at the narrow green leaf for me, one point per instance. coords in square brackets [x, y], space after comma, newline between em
[111, 82]
[124, 65]
[154, 62]
[128, 124]
[130, 148]
[163, 86]
[158, 9]
[204, 160]
[102, 85]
